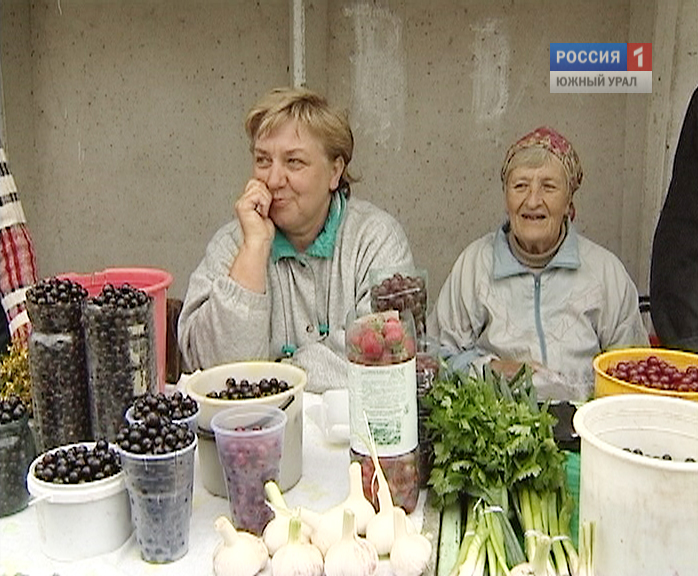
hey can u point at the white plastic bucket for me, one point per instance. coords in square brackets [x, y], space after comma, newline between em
[78, 521]
[645, 508]
[290, 401]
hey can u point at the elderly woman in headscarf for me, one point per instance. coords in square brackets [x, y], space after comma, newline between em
[535, 291]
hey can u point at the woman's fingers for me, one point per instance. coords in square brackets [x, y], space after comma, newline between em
[252, 210]
[255, 198]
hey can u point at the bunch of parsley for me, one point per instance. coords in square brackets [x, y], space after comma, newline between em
[489, 435]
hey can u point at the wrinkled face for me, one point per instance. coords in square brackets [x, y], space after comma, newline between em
[537, 201]
[293, 164]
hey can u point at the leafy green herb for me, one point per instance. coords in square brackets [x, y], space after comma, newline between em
[489, 435]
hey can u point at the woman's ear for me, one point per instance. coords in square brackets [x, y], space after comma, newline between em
[337, 171]
[571, 211]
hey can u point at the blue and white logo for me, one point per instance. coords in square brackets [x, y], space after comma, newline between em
[601, 67]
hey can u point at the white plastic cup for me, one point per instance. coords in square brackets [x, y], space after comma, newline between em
[250, 443]
[160, 489]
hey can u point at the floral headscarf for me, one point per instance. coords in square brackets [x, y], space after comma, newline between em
[556, 144]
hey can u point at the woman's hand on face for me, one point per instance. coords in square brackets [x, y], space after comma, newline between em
[252, 210]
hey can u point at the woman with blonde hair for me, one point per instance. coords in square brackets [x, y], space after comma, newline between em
[279, 280]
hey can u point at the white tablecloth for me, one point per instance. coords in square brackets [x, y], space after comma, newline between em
[323, 484]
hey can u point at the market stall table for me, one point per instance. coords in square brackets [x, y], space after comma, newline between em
[324, 483]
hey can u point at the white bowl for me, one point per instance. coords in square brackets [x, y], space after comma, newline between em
[291, 401]
[79, 521]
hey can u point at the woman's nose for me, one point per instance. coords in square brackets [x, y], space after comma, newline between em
[276, 176]
[535, 194]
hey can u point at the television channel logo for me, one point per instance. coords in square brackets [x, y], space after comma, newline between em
[602, 67]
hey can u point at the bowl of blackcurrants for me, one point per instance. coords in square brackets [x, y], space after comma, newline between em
[81, 501]
[249, 384]
[178, 407]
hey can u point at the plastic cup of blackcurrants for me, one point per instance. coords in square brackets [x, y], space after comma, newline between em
[178, 407]
[250, 444]
[157, 456]
[17, 450]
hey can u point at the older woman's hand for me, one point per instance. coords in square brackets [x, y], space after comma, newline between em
[509, 368]
[252, 210]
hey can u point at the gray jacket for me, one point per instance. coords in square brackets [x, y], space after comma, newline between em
[302, 315]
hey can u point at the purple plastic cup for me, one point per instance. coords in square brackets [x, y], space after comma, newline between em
[250, 443]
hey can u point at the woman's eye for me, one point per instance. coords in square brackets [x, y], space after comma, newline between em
[295, 162]
[262, 161]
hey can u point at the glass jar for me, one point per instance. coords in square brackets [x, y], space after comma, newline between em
[17, 451]
[381, 350]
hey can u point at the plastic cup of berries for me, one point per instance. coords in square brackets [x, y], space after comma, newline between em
[17, 450]
[250, 444]
[178, 407]
[157, 456]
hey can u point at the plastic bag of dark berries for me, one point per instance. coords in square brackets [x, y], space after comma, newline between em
[120, 346]
[401, 289]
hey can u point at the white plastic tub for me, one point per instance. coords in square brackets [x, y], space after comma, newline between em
[290, 401]
[645, 508]
[79, 521]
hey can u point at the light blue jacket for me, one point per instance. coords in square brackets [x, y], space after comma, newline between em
[581, 303]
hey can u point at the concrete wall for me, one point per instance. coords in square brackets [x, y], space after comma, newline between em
[124, 118]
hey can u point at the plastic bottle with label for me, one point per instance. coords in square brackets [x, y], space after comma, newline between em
[381, 349]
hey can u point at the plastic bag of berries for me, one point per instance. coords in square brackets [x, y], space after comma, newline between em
[121, 356]
[58, 362]
[401, 289]
[17, 450]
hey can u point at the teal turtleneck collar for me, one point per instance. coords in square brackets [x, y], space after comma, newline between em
[323, 245]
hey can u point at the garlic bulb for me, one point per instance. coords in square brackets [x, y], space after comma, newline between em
[275, 533]
[356, 500]
[297, 558]
[327, 527]
[351, 555]
[410, 553]
[240, 553]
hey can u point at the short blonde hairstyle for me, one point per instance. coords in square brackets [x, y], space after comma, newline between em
[311, 111]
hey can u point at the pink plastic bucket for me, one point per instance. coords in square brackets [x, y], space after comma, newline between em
[154, 282]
